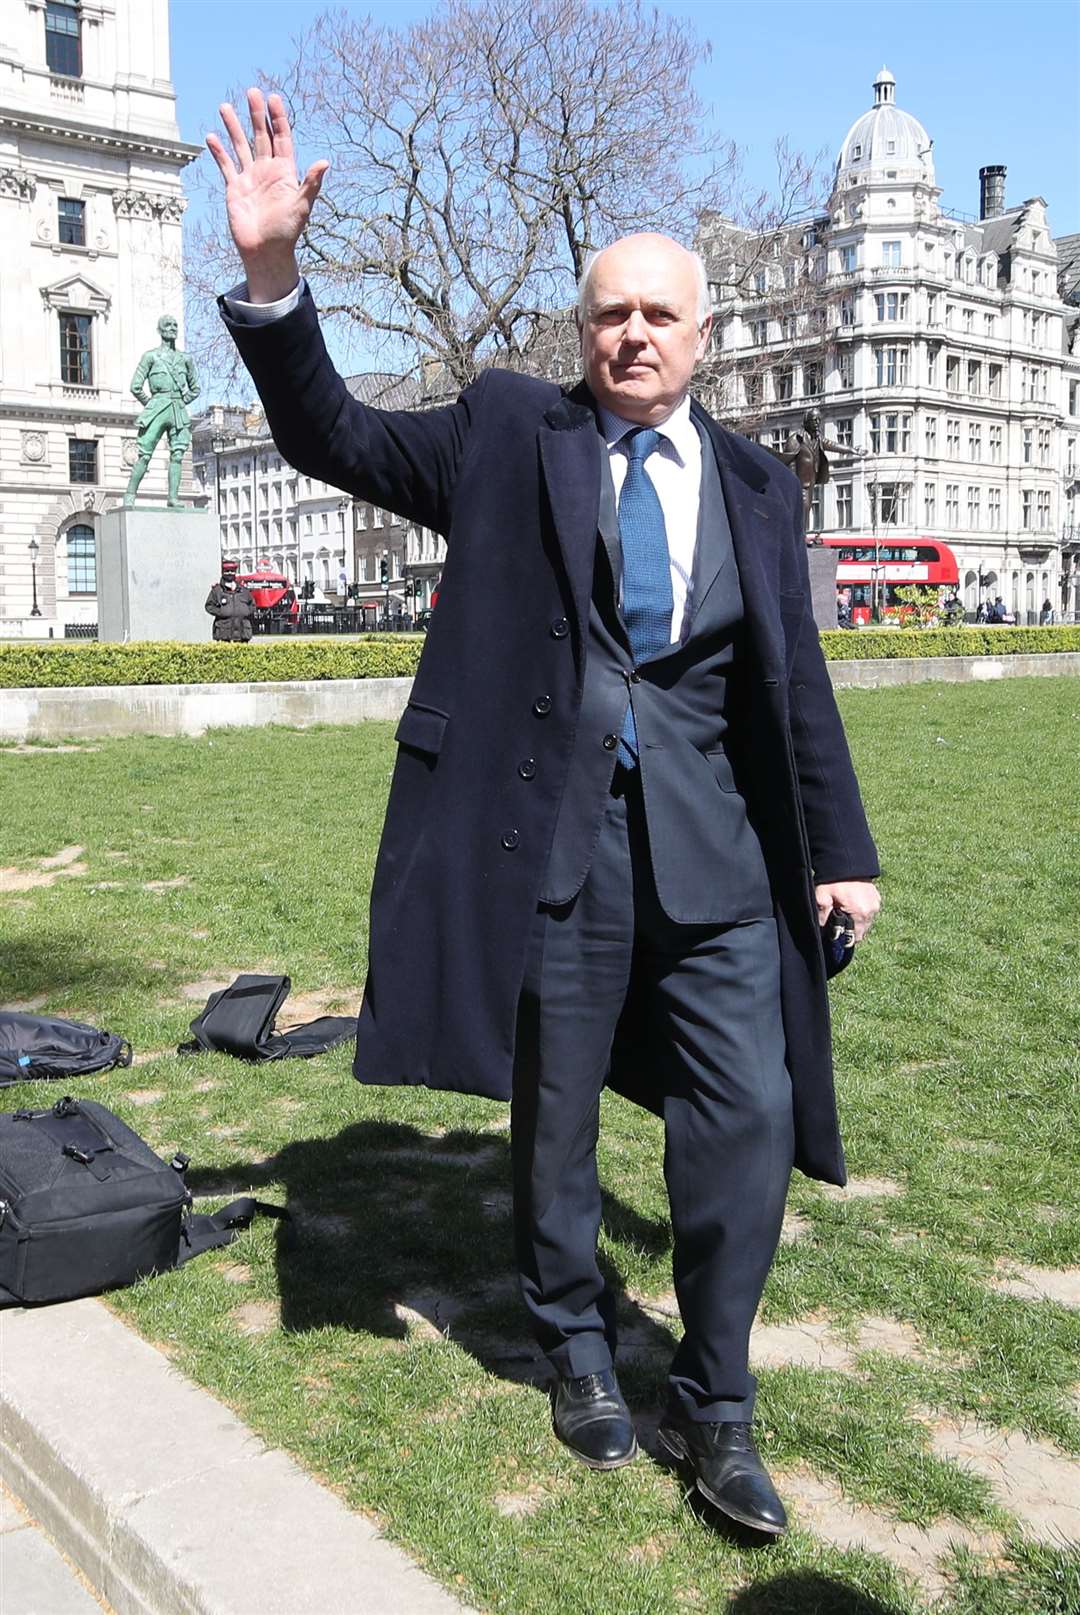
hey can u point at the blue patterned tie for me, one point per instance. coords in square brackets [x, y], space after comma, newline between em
[646, 585]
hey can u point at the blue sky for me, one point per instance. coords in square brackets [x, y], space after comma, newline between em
[991, 82]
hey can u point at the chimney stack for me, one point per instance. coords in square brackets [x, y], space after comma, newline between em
[992, 191]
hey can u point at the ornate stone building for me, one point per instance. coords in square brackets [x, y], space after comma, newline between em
[90, 211]
[937, 341]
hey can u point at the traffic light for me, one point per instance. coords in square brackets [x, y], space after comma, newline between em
[384, 570]
[308, 590]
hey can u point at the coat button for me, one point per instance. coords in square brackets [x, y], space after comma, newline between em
[510, 839]
[560, 628]
[610, 742]
[635, 677]
[527, 769]
[542, 706]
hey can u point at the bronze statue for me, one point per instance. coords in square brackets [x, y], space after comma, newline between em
[805, 453]
[164, 383]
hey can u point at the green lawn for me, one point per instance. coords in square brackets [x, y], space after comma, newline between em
[378, 1336]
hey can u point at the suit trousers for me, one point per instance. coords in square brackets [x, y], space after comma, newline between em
[712, 1007]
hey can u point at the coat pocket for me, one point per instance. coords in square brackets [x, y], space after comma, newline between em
[422, 728]
[721, 767]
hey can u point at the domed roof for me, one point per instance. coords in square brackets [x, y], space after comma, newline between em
[886, 137]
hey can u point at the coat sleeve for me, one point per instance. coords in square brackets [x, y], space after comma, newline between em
[841, 846]
[402, 460]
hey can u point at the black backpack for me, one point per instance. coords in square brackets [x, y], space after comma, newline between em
[240, 1020]
[86, 1205]
[46, 1046]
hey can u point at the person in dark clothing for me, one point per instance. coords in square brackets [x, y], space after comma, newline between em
[231, 606]
[1046, 615]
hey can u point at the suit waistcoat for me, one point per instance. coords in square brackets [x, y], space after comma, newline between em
[706, 859]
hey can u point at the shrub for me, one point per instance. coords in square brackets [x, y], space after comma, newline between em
[845, 645]
[147, 662]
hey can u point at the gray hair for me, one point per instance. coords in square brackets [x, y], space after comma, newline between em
[704, 301]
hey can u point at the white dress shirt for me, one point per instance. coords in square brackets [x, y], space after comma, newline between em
[674, 467]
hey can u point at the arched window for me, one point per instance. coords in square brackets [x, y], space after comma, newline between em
[81, 559]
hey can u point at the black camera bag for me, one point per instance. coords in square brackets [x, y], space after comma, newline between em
[47, 1046]
[86, 1206]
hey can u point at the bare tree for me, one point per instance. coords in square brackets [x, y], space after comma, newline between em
[479, 155]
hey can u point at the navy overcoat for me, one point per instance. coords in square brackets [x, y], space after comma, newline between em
[511, 475]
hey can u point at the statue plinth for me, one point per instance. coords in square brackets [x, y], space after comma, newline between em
[154, 567]
[822, 559]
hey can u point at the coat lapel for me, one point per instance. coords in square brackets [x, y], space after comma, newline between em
[570, 458]
[755, 515]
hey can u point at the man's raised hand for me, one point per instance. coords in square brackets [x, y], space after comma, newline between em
[268, 205]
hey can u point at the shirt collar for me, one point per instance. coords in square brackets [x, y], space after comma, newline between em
[679, 429]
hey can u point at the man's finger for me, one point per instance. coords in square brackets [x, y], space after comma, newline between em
[279, 126]
[313, 180]
[259, 127]
[236, 134]
[221, 157]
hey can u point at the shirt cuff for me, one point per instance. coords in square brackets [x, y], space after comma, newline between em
[246, 313]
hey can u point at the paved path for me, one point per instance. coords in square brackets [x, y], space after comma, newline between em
[162, 1498]
[35, 1578]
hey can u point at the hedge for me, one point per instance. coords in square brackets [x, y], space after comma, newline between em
[171, 662]
[82, 664]
[872, 644]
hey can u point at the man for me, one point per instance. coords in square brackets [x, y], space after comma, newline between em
[622, 805]
[165, 382]
[231, 606]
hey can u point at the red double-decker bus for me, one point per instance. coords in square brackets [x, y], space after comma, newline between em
[273, 594]
[864, 565]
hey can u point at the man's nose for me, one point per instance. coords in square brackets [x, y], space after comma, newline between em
[636, 330]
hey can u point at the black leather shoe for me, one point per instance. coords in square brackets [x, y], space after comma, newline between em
[727, 1470]
[594, 1421]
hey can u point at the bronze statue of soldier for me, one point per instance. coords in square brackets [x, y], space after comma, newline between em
[805, 453]
[164, 383]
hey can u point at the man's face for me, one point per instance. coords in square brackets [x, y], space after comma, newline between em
[168, 329]
[812, 422]
[640, 336]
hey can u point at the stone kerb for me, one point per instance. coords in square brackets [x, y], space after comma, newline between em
[105, 712]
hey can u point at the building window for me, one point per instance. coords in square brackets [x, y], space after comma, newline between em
[891, 305]
[994, 385]
[1044, 445]
[1074, 398]
[81, 560]
[974, 376]
[890, 254]
[62, 47]
[843, 504]
[1027, 440]
[993, 508]
[76, 360]
[753, 389]
[847, 311]
[845, 369]
[931, 367]
[1036, 330]
[969, 319]
[931, 308]
[843, 431]
[783, 385]
[892, 503]
[761, 281]
[995, 435]
[952, 504]
[988, 325]
[952, 373]
[930, 504]
[952, 439]
[950, 316]
[890, 434]
[82, 459]
[71, 215]
[930, 427]
[759, 333]
[789, 327]
[892, 366]
[847, 260]
[1026, 502]
[974, 502]
[1044, 508]
[812, 379]
[975, 440]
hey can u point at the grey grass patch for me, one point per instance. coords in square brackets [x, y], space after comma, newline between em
[145, 1096]
[149, 1055]
[1033, 1479]
[795, 1227]
[518, 1505]
[66, 862]
[1060, 1284]
[26, 1006]
[166, 885]
[917, 1551]
[235, 1272]
[256, 1317]
[817, 1342]
[863, 1189]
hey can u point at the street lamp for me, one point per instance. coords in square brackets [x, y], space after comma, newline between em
[35, 549]
[217, 445]
[343, 505]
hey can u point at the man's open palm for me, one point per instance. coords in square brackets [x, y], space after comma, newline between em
[268, 205]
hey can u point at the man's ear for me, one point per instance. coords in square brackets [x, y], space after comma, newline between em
[704, 333]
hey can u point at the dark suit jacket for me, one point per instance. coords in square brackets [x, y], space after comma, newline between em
[510, 474]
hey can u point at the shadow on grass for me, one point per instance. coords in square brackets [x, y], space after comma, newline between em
[805, 1592]
[59, 966]
[389, 1226]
